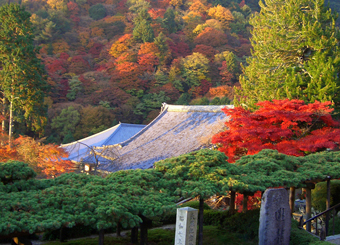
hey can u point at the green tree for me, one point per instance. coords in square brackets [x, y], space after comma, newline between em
[137, 5]
[143, 32]
[162, 45]
[75, 88]
[97, 11]
[66, 122]
[295, 54]
[142, 14]
[150, 102]
[195, 67]
[169, 21]
[23, 81]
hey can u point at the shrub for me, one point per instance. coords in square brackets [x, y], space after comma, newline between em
[97, 11]
[319, 195]
[215, 217]
[302, 237]
[196, 205]
[244, 223]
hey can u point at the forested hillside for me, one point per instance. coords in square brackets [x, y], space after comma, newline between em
[118, 60]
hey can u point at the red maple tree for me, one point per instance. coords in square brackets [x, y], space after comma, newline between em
[288, 126]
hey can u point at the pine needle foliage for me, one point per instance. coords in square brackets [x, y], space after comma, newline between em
[295, 54]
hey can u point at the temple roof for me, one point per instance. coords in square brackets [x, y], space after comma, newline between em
[81, 149]
[177, 130]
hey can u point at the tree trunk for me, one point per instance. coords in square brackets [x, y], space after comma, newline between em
[328, 203]
[118, 229]
[62, 235]
[101, 237]
[3, 123]
[143, 234]
[292, 200]
[147, 223]
[232, 202]
[308, 208]
[200, 231]
[134, 235]
[10, 122]
[245, 203]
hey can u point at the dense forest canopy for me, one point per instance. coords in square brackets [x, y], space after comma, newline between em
[118, 60]
[109, 60]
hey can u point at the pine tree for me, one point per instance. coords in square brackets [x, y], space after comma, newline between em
[169, 20]
[22, 75]
[295, 54]
[143, 32]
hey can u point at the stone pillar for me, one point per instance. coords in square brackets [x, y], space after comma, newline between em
[275, 219]
[186, 226]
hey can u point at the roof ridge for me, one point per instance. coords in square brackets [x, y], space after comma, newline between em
[91, 136]
[132, 124]
[198, 108]
[126, 142]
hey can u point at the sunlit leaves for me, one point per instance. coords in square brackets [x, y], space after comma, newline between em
[291, 127]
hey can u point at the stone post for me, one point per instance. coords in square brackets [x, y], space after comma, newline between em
[275, 219]
[186, 226]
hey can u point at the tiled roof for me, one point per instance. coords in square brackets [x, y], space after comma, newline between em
[176, 131]
[80, 149]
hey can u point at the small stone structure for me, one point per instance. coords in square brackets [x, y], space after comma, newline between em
[275, 220]
[186, 226]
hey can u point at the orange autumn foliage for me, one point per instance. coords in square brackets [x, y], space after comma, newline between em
[211, 37]
[121, 45]
[44, 159]
[221, 91]
[148, 48]
[198, 7]
[156, 13]
[148, 62]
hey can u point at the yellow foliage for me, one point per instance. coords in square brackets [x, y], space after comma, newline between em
[84, 37]
[60, 46]
[117, 49]
[176, 3]
[112, 19]
[57, 4]
[191, 17]
[222, 14]
[97, 32]
[198, 7]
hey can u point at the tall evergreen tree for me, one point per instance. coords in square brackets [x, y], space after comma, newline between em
[295, 54]
[169, 20]
[143, 32]
[22, 75]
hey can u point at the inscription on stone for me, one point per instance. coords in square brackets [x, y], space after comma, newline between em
[186, 226]
[275, 219]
